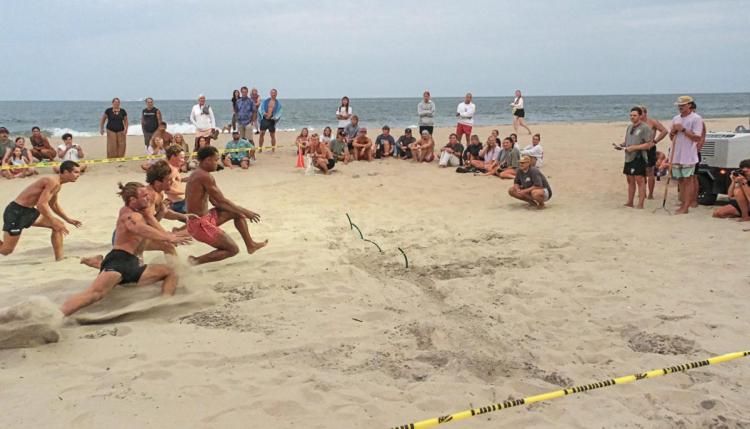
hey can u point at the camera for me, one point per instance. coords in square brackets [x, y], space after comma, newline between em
[736, 173]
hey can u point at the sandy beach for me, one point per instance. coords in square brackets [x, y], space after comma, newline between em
[320, 330]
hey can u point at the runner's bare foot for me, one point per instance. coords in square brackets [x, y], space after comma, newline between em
[93, 261]
[743, 219]
[650, 197]
[640, 206]
[255, 247]
[192, 260]
[628, 205]
[681, 211]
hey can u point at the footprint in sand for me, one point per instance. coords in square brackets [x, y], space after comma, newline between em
[661, 344]
[33, 322]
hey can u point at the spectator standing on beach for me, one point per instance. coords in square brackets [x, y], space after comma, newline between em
[202, 118]
[344, 113]
[638, 141]
[245, 108]
[465, 114]
[235, 97]
[116, 120]
[40, 147]
[535, 151]
[518, 112]
[150, 119]
[656, 127]
[686, 131]
[270, 115]
[256, 99]
[426, 112]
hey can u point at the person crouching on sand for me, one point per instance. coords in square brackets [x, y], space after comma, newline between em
[121, 265]
[530, 185]
[364, 150]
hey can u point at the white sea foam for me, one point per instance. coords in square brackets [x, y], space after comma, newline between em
[58, 132]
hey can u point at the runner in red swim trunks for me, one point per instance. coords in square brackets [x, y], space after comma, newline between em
[201, 187]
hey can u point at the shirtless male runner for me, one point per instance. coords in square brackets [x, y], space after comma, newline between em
[121, 265]
[202, 188]
[34, 207]
[159, 178]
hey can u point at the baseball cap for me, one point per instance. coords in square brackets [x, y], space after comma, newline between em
[408, 131]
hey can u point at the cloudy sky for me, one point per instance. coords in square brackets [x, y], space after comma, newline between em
[175, 49]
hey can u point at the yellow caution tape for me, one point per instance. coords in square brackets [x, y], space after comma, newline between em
[123, 159]
[571, 390]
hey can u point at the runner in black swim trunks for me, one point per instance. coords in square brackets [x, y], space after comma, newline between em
[121, 265]
[34, 207]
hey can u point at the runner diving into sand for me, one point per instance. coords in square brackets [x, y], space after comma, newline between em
[34, 207]
[202, 188]
[121, 265]
[159, 178]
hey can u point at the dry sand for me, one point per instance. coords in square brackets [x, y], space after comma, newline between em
[320, 330]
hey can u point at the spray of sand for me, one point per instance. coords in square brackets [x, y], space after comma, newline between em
[30, 323]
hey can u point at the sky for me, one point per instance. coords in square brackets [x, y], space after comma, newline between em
[177, 49]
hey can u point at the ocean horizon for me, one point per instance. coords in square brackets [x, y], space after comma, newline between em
[81, 117]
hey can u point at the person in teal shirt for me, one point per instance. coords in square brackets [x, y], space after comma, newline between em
[241, 158]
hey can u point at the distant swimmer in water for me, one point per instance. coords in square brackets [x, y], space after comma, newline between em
[34, 207]
[121, 265]
[201, 187]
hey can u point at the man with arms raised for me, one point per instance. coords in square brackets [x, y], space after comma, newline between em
[121, 265]
[34, 207]
[202, 188]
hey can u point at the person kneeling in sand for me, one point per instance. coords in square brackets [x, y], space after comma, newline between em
[201, 187]
[363, 147]
[739, 193]
[423, 149]
[322, 157]
[530, 185]
[121, 265]
[34, 207]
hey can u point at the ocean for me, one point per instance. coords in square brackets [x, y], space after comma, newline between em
[81, 118]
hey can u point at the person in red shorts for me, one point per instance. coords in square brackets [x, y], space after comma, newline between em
[201, 187]
[465, 114]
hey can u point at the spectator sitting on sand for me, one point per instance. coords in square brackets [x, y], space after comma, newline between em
[338, 147]
[507, 161]
[487, 155]
[40, 147]
[156, 147]
[22, 156]
[423, 149]
[535, 151]
[242, 158]
[69, 151]
[322, 157]
[402, 144]
[530, 185]
[351, 131]
[450, 154]
[363, 147]
[739, 193]
[384, 143]
[472, 150]
[302, 140]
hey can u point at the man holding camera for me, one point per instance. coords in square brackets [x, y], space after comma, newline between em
[739, 201]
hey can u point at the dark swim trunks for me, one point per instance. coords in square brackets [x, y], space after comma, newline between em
[178, 206]
[17, 218]
[331, 163]
[128, 265]
[268, 124]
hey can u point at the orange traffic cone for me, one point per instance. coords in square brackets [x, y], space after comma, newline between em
[300, 160]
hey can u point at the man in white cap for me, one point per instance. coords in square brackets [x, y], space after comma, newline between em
[686, 131]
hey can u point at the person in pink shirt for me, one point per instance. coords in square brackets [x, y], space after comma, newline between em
[686, 131]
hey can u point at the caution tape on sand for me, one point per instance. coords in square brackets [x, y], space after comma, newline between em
[114, 160]
[570, 391]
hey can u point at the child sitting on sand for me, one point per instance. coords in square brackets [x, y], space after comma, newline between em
[17, 159]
